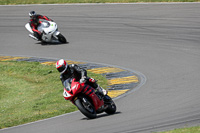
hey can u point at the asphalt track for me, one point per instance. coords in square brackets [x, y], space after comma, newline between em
[159, 40]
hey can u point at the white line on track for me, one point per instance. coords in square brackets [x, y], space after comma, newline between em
[82, 4]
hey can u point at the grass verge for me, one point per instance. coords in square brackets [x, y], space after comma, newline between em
[16, 2]
[31, 91]
[195, 129]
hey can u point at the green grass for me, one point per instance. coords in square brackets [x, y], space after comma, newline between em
[15, 2]
[30, 91]
[25, 98]
[195, 129]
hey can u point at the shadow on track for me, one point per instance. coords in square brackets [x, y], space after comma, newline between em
[101, 116]
[45, 43]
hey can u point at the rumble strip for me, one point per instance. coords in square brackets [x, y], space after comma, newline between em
[120, 80]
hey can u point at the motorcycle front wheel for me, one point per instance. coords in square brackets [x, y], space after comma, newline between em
[61, 38]
[86, 107]
[111, 106]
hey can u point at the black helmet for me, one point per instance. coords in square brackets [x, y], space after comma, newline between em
[32, 13]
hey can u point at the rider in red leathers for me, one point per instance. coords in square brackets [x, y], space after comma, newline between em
[80, 74]
[35, 22]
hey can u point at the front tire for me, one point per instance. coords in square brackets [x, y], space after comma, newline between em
[86, 107]
[61, 38]
[111, 106]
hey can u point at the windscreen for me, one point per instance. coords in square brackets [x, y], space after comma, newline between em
[46, 24]
[67, 84]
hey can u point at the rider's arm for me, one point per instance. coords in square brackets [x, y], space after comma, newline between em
[80, 70]
[44, 17]
[62, 78]
[33, 27]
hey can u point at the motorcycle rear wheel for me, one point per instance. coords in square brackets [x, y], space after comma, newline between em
[86, 107]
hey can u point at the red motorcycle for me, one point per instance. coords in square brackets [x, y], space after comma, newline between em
[89, 102]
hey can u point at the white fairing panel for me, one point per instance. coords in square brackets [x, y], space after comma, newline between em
[66, 94]
[28, 27]
[56, 33]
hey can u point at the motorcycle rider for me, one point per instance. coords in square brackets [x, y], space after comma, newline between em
[80, 74]
[35, 22]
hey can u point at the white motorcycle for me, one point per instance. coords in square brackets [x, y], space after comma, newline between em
[50, 33]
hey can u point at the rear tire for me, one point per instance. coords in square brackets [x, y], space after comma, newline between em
[86, 107]
[61, 38]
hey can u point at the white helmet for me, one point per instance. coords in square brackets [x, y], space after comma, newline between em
[61, 65]
[32, 13]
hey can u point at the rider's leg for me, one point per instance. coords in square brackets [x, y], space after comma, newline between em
[102, 90]
[92, 82]
[37, 35]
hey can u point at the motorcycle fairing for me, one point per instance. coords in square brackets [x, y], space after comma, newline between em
[89, 91]
[73, 88]
[48, 29]
[67, 95]
[28, 27]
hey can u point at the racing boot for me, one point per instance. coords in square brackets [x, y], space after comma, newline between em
[38, 36]
[32, 36]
